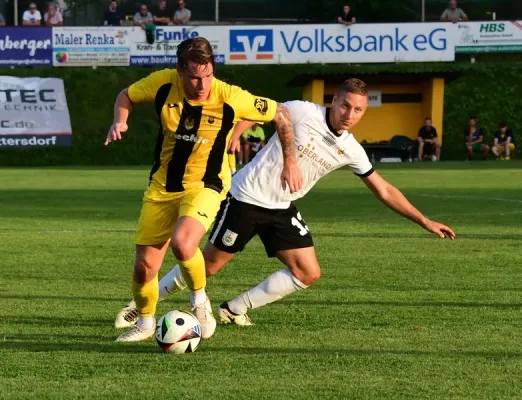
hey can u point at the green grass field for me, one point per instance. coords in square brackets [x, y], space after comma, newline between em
[398, 313]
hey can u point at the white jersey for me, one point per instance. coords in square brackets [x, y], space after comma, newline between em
[318, 151]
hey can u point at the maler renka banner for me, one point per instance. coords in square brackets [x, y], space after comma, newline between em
[33, 112]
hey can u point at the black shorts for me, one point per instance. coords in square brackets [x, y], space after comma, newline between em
[238, 222]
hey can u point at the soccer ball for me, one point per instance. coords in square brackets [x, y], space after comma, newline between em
[178, 332]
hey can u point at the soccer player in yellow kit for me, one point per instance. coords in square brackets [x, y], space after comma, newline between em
[190, 176]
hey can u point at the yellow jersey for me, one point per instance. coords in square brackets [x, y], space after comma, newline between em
[193, 136]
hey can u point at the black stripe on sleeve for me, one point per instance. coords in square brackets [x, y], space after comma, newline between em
[366, 174]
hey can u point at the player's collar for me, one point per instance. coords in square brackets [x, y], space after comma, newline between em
[330, 127]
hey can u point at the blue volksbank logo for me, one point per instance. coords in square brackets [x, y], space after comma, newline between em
[321, 42]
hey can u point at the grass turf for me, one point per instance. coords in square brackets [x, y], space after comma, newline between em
[397, 313]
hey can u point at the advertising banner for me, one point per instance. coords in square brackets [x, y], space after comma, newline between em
[166, 41]
[90, 46]
[336, 43]
[489, 37]
[25, 46]
[33, 112]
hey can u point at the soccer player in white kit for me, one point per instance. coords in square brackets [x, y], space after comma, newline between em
[256, 204]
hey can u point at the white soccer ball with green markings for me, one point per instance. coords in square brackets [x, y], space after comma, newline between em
[178, 332]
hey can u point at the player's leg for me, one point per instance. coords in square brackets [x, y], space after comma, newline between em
[496, 150]
[469, 150]
[154, 228]
[508, 149]
[245, 151]
[286, 236]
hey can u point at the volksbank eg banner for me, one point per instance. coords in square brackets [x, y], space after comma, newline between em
[360, 43]
[90, 46]
[488, 37]
[25, 46]
[33, 112]
[166, 41]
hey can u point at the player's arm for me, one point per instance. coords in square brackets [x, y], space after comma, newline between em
[394, 199]
[240, 128]
[144, 90]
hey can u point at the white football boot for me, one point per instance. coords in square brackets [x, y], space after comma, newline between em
[226, 316]
[127, 317]
[137, 334]
[203, 313]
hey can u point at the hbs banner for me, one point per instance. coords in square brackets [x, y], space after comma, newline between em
[360, 43]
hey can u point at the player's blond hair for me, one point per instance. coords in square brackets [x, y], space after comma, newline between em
[198, 50]
[353, 85]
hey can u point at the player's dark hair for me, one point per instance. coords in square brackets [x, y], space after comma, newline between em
[198, 50]
[427, 119]
[353, 85]
[472, 117]
[503, 125]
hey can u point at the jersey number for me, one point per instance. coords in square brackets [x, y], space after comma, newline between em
[300, 224]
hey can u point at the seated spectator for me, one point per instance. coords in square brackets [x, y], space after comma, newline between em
[504, 142]
[182, 16]
[2, 20]
[453, 13]
[53, 17]
[112, 16]
[474, 139]
[161, 15]
[32, 16]
[143, 17]
[428, 142]
[346, 16]
[253, 140]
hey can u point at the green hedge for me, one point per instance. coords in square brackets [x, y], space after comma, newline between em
[489, 90]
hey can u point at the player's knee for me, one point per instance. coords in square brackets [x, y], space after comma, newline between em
[308, 274]
[144, 270]
[182, 249]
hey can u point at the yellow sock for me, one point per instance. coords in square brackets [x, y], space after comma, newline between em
[146, 296]
[193, 271]
[232, 161]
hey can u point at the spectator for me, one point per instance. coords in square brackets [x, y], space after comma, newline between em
[253, 141]
[32, 16]
[112, 16]
[453, 14]
[53, 17]
[143, 17]
[2, 20]
[161, 15]
[182, 16]
[428, 142]
[346, 16]
[504, 142]
[474, 139]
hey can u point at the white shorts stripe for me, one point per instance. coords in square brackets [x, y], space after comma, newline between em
[220, 223]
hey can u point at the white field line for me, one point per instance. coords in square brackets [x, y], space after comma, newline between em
[442, 196]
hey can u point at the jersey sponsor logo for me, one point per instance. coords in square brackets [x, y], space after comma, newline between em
[229, 238]
[251, 44]
[188, 138]
[309, 154]
[202, 214]
[261, 105]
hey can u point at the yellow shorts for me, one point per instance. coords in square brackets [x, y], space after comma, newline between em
[501, 147]
[160, 212]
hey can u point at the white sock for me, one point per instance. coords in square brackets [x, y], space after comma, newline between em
[275, 287]
[146, 322]
[172, 282]
[198, 297]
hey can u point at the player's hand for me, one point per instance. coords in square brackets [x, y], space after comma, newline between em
[439, 229]
[234, 146]
[115, 132]
[292, 177]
